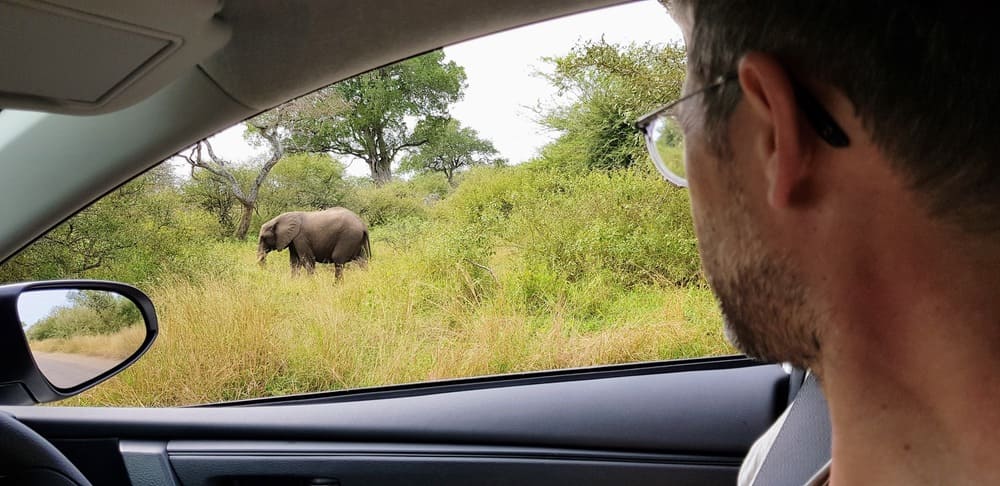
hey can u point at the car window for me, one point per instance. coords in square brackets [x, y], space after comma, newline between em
[495, 210]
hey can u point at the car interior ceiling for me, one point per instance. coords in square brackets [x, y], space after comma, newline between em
[260, 53]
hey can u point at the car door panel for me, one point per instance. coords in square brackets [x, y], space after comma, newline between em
[641, 425]
[394, 464]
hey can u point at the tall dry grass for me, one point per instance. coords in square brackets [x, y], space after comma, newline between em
[245, 332]
[518, 269]
[119, 345]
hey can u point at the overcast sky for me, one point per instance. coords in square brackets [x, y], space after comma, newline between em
[501, 89]
[35, 305]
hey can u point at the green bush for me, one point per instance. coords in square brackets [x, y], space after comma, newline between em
[89, 313]
[135, 234]
[542, 238]
[423, 185]
[379, 206]
[300, 182]
[625, 224]
[612, 85]
[401, 233]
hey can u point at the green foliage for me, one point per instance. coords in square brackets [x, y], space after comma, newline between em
[133, 234]
[89, 313]
[212, 194]
[370, 121]
[302, 182]
[432, 184]
[395, 201]
[608, 87]
[308, 182]
[401, 201]
[626, 225]
[298, 182]
[449, 147]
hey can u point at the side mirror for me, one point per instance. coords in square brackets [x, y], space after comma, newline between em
[59, 338]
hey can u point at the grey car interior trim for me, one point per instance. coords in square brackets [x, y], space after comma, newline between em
[147, 463]
[119, 52]
[379, 470]
[717, 412]
[116, 52]
[204, 448]
[211, 462]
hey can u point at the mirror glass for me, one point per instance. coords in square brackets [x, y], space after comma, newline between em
[76, 335]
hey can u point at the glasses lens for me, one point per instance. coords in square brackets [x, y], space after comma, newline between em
[666, 144]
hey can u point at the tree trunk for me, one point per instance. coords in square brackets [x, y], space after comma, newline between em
[381, 172]
[244, 227]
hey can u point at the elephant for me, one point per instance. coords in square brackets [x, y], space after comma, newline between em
[334, 235]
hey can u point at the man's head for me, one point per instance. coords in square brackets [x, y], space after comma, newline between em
[905, 81]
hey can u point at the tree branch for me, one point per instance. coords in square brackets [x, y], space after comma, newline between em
[217, 166]
[484, 267]
[395, 150]
[211, 153]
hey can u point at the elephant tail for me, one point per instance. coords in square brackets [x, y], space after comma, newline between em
[366, 247]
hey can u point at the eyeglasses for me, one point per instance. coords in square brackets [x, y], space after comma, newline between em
[665, 136]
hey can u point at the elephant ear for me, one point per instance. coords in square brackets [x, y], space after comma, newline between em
[286, 229]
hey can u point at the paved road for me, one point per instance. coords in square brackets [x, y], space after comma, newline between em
[68, 370]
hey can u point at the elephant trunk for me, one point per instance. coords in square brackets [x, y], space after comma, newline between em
[261, 255]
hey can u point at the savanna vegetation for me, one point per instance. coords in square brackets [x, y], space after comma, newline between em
[86, 312]
[581, 256]
[89, 323]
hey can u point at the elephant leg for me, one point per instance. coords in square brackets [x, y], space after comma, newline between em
[362, 262]
[349, 249]
[339, 270]
[294, 260]
[309, 262]
[306, 257]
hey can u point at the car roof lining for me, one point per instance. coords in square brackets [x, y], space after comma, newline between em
[100, 56]
[263, 66]
[65, 56]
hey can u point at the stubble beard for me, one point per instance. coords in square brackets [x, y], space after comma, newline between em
[764, 301]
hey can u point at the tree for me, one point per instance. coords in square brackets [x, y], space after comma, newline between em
[608, 87]
[86, 242]
[131, 235]
[265, 129]
[449, 147]
[373, 110]
[115, 311]
[161, 178]
[303, 182]
[213, 194]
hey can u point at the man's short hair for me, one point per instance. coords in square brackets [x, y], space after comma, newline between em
[924, 78]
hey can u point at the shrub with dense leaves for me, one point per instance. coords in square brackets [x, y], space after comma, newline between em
[625, 224]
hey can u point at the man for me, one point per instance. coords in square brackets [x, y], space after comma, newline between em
[843, 159]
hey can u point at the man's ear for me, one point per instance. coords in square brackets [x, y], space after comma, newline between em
[769, 93]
